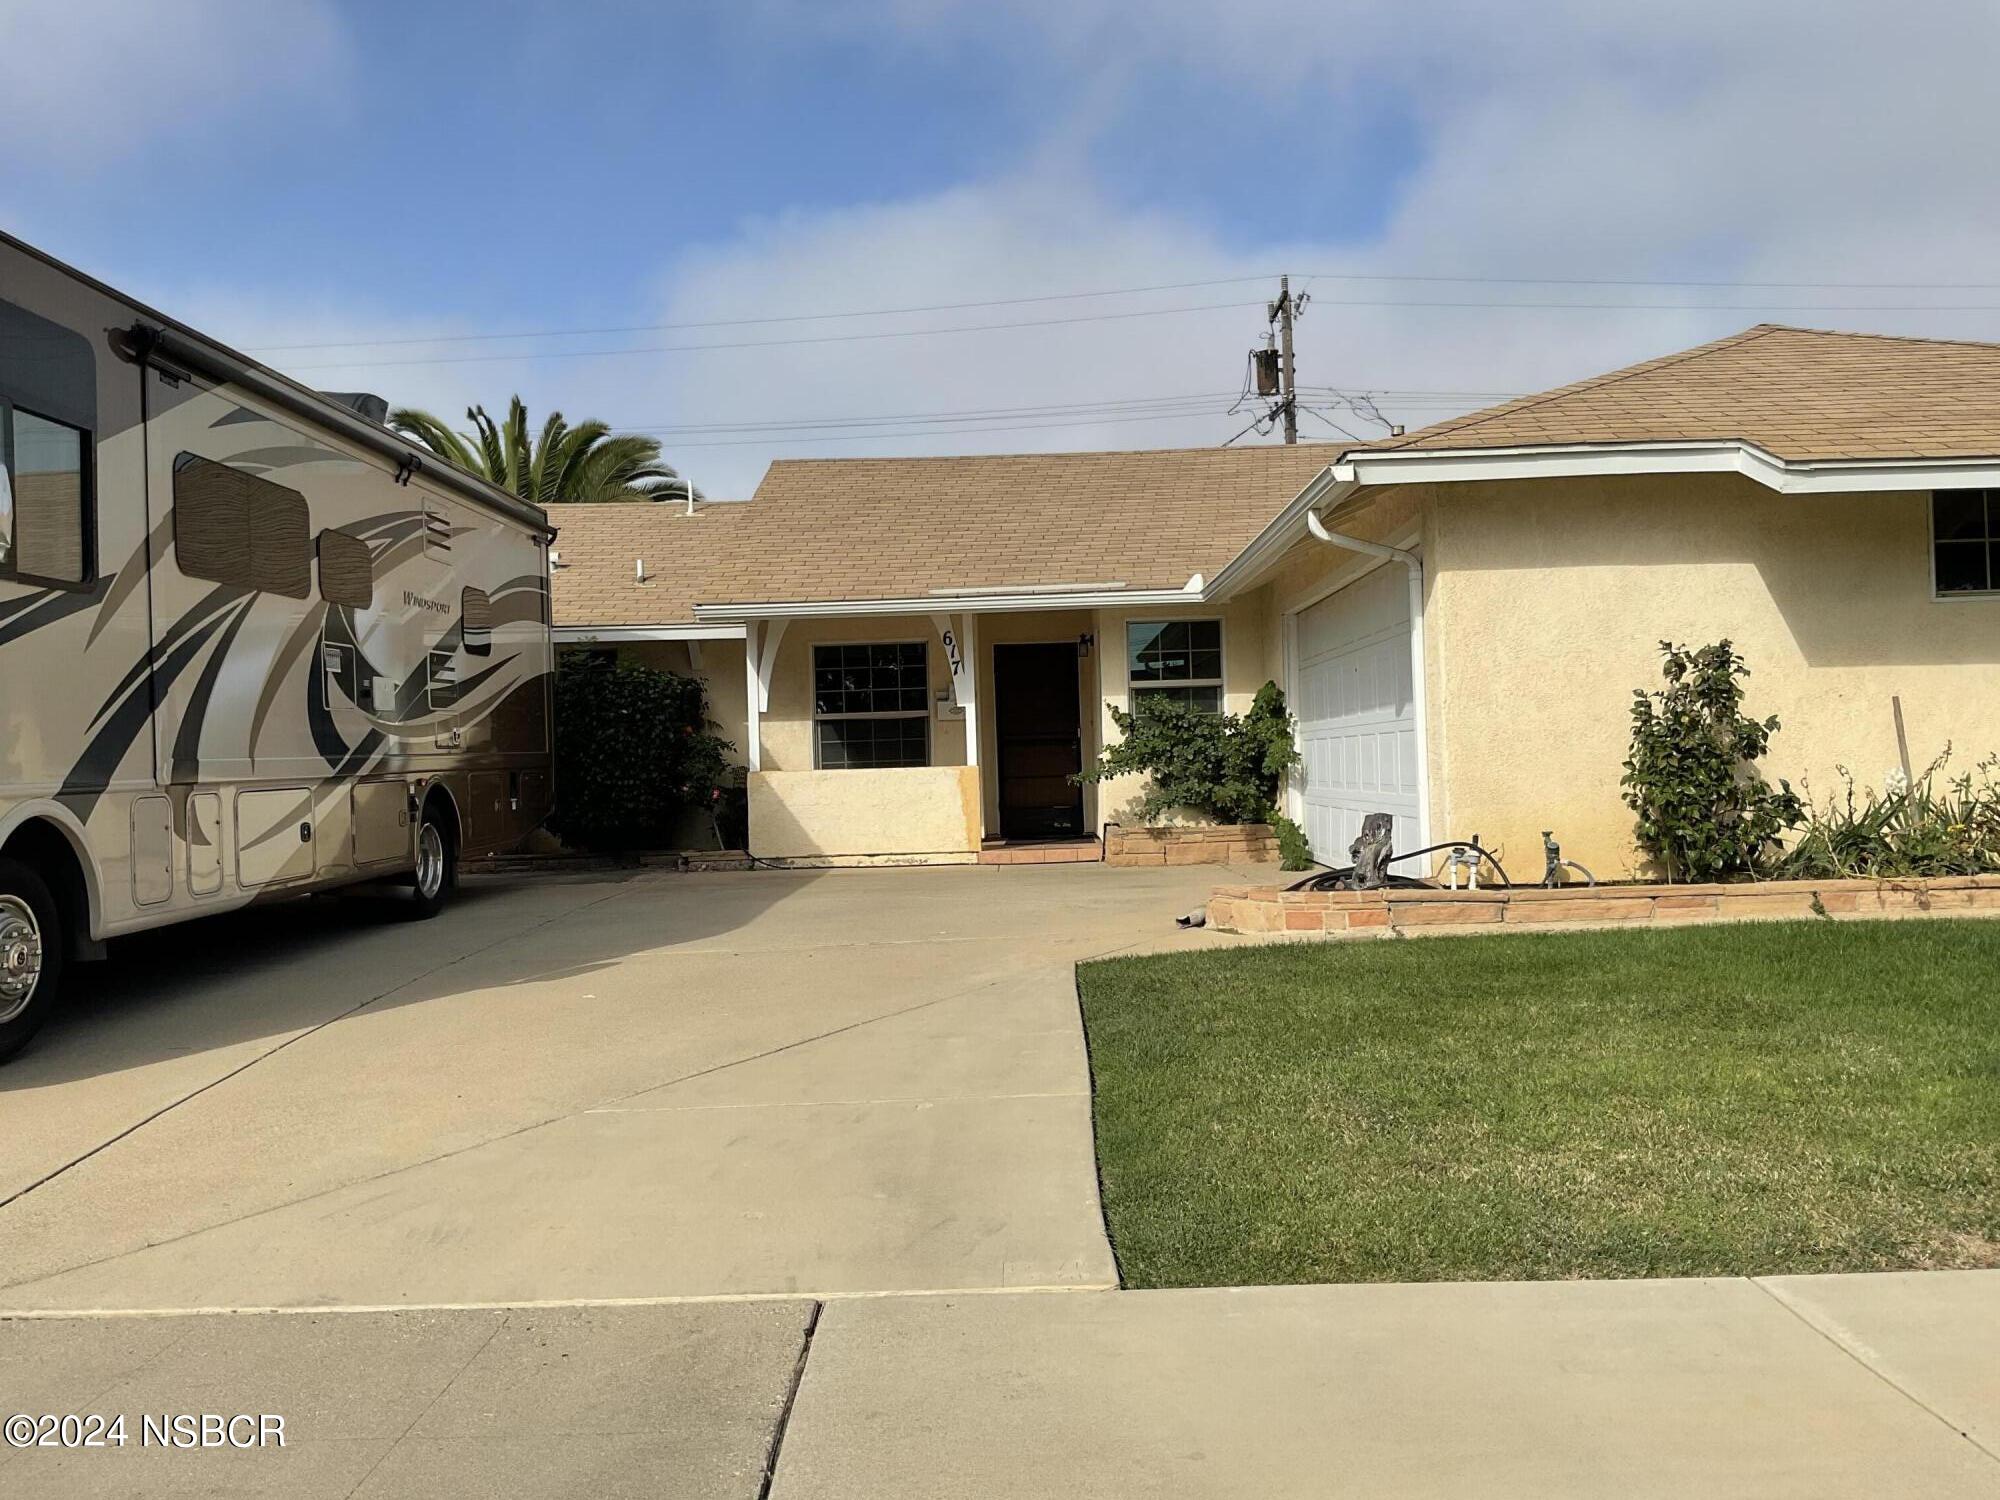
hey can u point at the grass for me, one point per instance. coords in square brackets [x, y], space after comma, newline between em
[1783, 1097]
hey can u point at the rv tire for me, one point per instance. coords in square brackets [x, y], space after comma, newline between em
[32, 948]
[436, 875]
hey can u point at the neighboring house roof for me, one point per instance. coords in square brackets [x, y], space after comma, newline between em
[1802, 394]
[829, 530]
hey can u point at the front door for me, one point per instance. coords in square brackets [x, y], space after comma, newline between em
[1036, 722]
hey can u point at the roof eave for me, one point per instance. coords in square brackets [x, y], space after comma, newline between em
[1707, 456]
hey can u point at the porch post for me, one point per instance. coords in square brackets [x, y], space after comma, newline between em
[752, 747]
[960, 654]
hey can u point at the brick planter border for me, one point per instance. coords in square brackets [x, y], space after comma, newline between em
[1389, 913]
[1222, 844]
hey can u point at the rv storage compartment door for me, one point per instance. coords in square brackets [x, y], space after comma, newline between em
[274, 836]
[204, 841]
[152, 851]
[381, 822]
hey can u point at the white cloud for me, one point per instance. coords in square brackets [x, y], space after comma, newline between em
[91, 80]
[1728, 141]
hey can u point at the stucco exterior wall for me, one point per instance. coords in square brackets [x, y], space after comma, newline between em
[1548, 600]
[852, 814]
[785, 730]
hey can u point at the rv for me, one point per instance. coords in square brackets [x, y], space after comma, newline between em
[252, 643]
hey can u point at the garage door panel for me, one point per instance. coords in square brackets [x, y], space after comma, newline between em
[1357, 723]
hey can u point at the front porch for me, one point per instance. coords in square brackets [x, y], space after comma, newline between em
[954, 736]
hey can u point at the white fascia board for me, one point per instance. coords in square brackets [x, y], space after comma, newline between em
[1264, 551]
[1831, 476]
[931, 604]
[605, 635]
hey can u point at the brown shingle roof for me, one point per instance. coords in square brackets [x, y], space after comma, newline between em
[833, 529]
[1801, 393]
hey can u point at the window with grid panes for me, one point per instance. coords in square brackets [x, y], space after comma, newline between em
[871, 705]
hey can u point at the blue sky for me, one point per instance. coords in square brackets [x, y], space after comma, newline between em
[310, 172]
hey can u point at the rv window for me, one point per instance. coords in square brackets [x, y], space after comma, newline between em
[346, 570]
[234, 528]
[476, 612]
[44, 498]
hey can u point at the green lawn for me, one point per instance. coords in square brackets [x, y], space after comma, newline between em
[1715, 1100]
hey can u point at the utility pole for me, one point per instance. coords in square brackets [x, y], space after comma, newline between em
[1288, 390]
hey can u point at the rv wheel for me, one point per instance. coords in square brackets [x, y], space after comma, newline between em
[31, 955]
[436, 874]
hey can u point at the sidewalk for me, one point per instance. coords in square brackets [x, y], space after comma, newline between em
[1846, 1386]
[1863, 1386]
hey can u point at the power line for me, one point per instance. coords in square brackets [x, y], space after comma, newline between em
[850, 437]
[874, 312]
[826, 338]
[1171, 286]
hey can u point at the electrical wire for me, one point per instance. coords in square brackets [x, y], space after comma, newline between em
[1172, 286]
[825, 338]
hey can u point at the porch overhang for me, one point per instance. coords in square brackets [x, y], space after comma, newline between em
[611, 635]
[1010, 600]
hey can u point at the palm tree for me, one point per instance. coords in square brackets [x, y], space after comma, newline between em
[587, 462]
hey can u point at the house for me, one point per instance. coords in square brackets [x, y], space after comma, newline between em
[914, 654]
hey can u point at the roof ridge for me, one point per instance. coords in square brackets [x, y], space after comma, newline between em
[1592, 383]
[1887, 338]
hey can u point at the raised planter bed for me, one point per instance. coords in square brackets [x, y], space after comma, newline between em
[1221, 844]
[1387, 913]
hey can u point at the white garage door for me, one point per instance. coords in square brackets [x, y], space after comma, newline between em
[1357, 721]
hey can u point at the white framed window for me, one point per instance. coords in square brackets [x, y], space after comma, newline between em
[1965, 542]
[1177, 659]
[871, 705]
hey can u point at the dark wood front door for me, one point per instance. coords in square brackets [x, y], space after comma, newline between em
[1035, 720]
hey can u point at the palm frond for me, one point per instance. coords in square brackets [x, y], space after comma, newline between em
[430, 431]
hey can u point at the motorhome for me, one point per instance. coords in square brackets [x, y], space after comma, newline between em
[252, 643]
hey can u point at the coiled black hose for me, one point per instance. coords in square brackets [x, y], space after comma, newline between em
[1332, 878]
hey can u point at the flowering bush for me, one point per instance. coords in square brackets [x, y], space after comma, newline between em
[1931, 826]
[1218, 764]
[1704, 810]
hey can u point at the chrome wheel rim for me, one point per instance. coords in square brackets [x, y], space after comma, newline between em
[430, 861]
[20, 956]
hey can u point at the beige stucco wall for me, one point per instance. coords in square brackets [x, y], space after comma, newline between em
[917, 810]
[721, 674]
[785, 730]
[1548, 600]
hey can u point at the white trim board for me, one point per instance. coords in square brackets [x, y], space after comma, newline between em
[611, 635]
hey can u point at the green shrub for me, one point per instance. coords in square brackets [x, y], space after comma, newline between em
[635, 753]
[1218, 764]
[1908, 828]
[1705, 811]
[1294, 850]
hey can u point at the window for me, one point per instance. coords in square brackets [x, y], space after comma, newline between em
[234, 528]
[871, 706]
[346, 570]
[1177, 659]
[1965, 541]
[44, 498]
[476, 614]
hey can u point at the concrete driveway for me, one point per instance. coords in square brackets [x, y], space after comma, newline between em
[593, 1087]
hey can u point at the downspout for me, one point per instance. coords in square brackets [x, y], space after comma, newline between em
[1418, 696]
